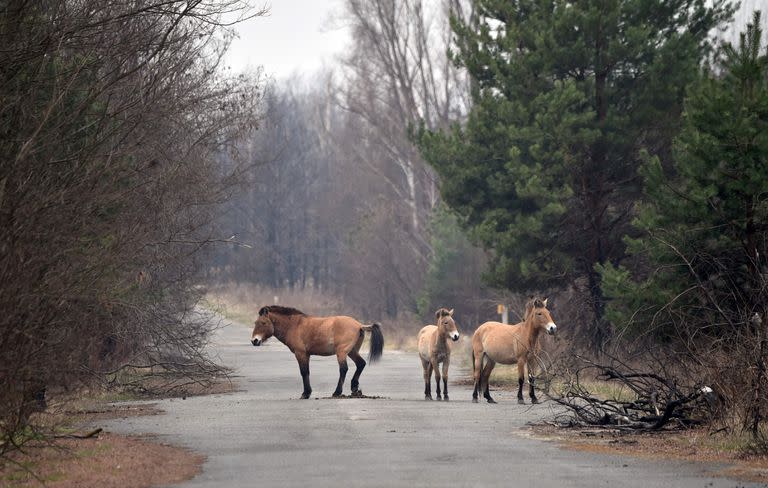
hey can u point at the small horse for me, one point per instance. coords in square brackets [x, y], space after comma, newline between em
[321, 336]
[510, 344]
[434, 348]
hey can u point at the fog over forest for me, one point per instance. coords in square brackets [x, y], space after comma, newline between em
[342, 205]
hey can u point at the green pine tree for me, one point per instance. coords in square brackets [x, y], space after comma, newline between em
[452, 278]
[565, 95]
[705, 229]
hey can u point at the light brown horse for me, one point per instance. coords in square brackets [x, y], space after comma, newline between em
[494, 342]
[434, 349]
[320, 336]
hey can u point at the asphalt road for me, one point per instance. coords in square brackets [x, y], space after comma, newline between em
[265, 436]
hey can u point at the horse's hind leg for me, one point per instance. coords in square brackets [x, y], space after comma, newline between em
[477, 366]
[436, 367]
[445, 377]
[427, 367]
[360, 365]
[520, 381]
[343, 368]
[486, 379]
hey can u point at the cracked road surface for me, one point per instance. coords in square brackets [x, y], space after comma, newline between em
[264, 436]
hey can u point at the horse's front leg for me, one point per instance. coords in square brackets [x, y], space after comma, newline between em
[445, 377]
[427, 367]
[436, 367]
[343, 368]
[303, 359]
[521, 380]
[531, 379]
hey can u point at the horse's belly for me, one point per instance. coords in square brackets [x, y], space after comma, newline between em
[501, 355]
[323, 353]
[327, 338]
[327, 349]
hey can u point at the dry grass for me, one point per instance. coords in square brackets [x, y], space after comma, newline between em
[505, 377]
[697, 445]
[52, 458]
[106, 461]
[399, 339]
[241, 303]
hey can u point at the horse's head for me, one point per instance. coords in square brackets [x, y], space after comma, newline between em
[446, 323]
[537, 313]
[263, 328]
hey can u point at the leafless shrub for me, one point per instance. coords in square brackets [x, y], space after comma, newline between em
[649, 392]
[112, 115]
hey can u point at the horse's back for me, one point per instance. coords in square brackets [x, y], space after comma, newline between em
[323, 336]
[497, 340]
[424, 340]
[485, 329]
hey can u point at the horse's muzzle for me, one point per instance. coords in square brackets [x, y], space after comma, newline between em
[256, 342]
[455, 337]
[551, 329]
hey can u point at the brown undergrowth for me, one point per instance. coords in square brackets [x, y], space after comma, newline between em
[65, 450]
[727, 454]
[724, 454]
[107, 460]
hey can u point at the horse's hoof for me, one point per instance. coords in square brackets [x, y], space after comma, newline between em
[304, 396]
[357, 393]
[474, 400]
[534, 400]
[491, 400]
[336, 395]
[521, 401]
[438, 398]
[445, 398]
[427, 397]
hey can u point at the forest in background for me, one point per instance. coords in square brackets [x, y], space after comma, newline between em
[342, 202]
[465, 155]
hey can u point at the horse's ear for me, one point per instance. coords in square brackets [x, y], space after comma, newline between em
[450, 312]
[263, 311]
[439, 313]
[545, 301]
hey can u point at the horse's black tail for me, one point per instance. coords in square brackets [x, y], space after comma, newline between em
[377, 343]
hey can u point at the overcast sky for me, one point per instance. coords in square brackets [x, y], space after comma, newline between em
[297, 36]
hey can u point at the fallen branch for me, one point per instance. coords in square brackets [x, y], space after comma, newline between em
[88, 435]
[659, 401]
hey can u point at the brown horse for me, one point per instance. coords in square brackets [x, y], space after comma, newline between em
[321, 336]
[510, 344]
[434, 348]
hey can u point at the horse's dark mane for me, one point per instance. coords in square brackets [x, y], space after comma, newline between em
[442, 312]
[281, 310]
[533, 302]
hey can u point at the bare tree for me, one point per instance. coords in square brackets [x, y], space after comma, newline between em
[111, 115]
[398, 74]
